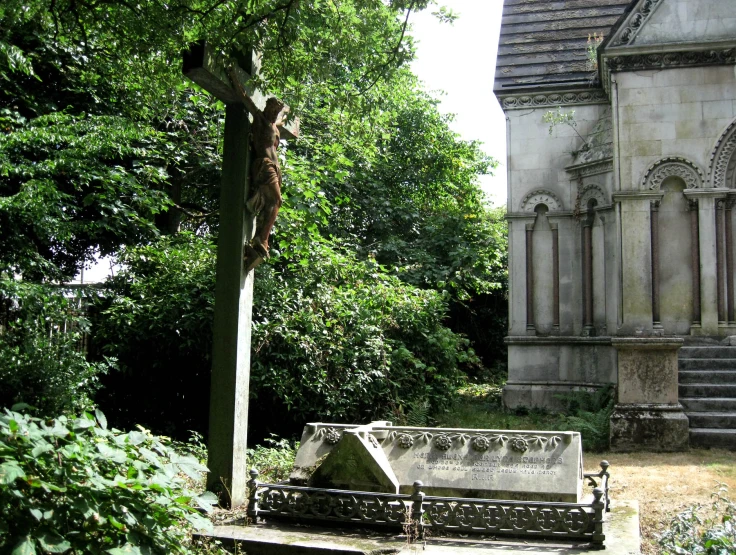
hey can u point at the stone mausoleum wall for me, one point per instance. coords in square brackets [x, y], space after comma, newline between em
[620, 225]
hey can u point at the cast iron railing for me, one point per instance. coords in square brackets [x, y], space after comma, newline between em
[567, 521]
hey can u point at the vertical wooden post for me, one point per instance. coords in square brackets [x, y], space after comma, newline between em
[228, 427]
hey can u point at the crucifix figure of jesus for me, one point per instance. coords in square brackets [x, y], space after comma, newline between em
[251, 185]
[265, 199]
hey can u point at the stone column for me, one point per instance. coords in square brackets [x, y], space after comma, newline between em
[530, 329]
[648, 415]
[706, 199]
[729, 262]
[636, 261]
[656, 322]
[720, 262]
[555, 278]
[695, 264]
[588, 278]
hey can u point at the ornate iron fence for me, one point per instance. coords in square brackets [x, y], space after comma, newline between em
[566, 521]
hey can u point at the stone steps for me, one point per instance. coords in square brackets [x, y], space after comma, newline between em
[712, 419]
[710, 437]
[707, 363]
[707, 391]
[712, 390]
[707, 376]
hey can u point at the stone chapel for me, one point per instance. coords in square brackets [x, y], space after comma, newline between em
[621, 220]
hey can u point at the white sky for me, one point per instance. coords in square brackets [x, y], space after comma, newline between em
[460, 59]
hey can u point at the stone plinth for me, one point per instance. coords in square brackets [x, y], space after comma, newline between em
[648, 415]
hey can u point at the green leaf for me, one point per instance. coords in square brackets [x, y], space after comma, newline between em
[127, 549]
[25, 547]
[101, 419]
[53, 542]
[38, 515]
[9, 472]
[39, 450]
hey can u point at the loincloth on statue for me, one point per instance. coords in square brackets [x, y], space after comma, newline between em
[266, 184]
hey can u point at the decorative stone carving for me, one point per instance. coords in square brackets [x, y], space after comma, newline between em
[723, 161]
[592, 191]
[481, 443]
[554, 99]
[519, 444]
[332, 436]
[673, 166]
[540, 196]
[443, 442]
[672, 59]
[633, 25]
[373, 441]
[598, 168]
[406, 441]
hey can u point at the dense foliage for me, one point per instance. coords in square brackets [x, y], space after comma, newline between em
[42, 359]
[73, 485]
[384, 239]
[335, 338]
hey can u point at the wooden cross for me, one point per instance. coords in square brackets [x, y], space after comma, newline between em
[228, 427]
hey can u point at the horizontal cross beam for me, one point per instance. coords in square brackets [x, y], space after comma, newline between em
[207, 68]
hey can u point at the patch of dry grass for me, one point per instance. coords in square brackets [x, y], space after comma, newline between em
[665, 483]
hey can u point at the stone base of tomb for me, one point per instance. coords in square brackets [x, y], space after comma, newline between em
[649, 428]
[621, 528]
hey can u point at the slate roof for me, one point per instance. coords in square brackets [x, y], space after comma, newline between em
[543, 42]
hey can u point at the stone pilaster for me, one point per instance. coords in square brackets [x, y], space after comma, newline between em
[636, 261]
[706, 199]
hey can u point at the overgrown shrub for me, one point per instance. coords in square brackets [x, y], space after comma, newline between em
[42, 362]
[692, 533]
[73, 485]
[332, 338]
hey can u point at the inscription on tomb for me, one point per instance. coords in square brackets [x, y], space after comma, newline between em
[500, 464]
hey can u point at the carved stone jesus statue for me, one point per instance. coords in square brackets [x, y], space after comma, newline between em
[265, 199]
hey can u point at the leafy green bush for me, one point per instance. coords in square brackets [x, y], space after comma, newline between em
[691, 533]
[273, 462]
[332, 338]
[42, 362]
[73, 485]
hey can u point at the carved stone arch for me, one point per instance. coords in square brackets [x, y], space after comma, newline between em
[540, 196]
[722, 160]
[592, 191]
[683, 168]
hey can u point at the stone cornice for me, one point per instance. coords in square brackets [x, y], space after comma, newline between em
[637, 194]
[665, 57]
[591, 168]
[533, 215]
[710, 192]
[526, 100]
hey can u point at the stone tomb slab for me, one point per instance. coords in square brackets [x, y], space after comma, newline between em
[454, 462]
